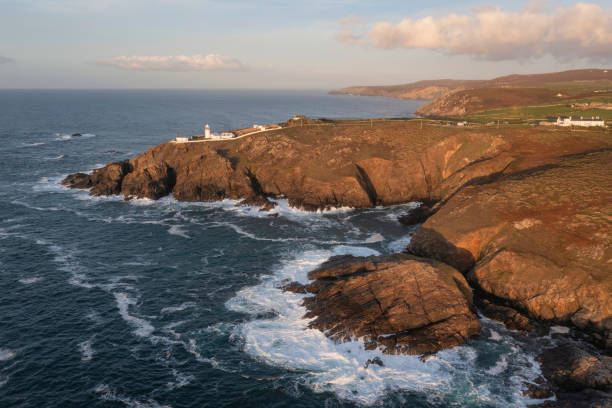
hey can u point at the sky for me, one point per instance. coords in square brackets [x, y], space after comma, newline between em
[271, 44]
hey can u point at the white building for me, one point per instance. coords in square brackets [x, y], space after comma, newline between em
[223, 135]
[182, 139]
[207, 132]
[564, 121]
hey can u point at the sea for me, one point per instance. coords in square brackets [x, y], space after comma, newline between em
[113, 303]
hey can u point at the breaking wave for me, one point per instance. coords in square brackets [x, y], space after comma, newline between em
[474, 373]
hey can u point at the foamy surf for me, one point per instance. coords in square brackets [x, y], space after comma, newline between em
[86, 350]
[62, 137]
[6, 354]
[31, 280]
[467, 374]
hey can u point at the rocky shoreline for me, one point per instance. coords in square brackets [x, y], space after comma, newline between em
[516, 224]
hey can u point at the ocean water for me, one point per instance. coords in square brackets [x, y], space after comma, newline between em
[106, 303]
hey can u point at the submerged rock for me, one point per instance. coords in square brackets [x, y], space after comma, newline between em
[400, 303]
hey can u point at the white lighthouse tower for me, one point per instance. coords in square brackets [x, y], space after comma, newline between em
[207, 132]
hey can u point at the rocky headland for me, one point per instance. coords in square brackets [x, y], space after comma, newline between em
[455, 98]
[516, 224]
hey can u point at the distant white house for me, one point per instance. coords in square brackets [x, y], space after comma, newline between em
[223, 135]
[182, 139]
[463, 123]
[569, 121]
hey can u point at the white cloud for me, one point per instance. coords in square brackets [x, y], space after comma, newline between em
[6, 60]
[582, 30]
[175, 63]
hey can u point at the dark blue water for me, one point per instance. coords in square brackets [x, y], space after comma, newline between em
[106, 303]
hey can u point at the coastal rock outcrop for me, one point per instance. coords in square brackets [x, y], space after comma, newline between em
[401, 303]
[538, 240]
[572, 368]
[580, 378]
[152, 182]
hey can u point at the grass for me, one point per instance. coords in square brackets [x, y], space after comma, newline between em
[547, 111]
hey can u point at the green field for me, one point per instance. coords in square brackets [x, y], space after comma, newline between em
[547, 111]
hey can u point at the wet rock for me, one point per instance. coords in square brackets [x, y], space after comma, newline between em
[400, 303]
[511, 318]
[78, 180]
[585, 399]
[417, 215]
[538, 391]
[572, 368]
[375, 360]
[294, 287]
[257, 201]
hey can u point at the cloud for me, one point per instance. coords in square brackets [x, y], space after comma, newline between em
[582, 30]
[175, 63]
[349, 37]
[6, 60]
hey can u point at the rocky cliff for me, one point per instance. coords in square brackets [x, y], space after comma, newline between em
[521, 215]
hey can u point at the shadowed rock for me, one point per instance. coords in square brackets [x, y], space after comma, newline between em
[152, 182]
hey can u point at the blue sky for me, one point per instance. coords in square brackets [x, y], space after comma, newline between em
[284, 44]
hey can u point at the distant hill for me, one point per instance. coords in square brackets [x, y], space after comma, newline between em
[461, 97]
[428, 89]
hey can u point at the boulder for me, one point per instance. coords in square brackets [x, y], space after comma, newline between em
[399, 303]
[571, 368]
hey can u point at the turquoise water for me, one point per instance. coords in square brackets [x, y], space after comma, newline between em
[107, 303]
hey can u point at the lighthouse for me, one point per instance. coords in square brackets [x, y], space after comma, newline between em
[207, 132]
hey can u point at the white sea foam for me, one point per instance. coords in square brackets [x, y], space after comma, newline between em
[180, 308]
[142, 327]
[6, 354]
[400, 244]
[178, 231]
[31, 280]
[285, 340]
[494, 336]
[106, 393]
[559, 330]
[500, 366]
[62, 137]
[180, 379]
[32, 144]
[86, 349]
[374, 238]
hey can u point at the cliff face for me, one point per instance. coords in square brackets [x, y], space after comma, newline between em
[523, 213]
[539, 240]
[317, 167]
[463, 102]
